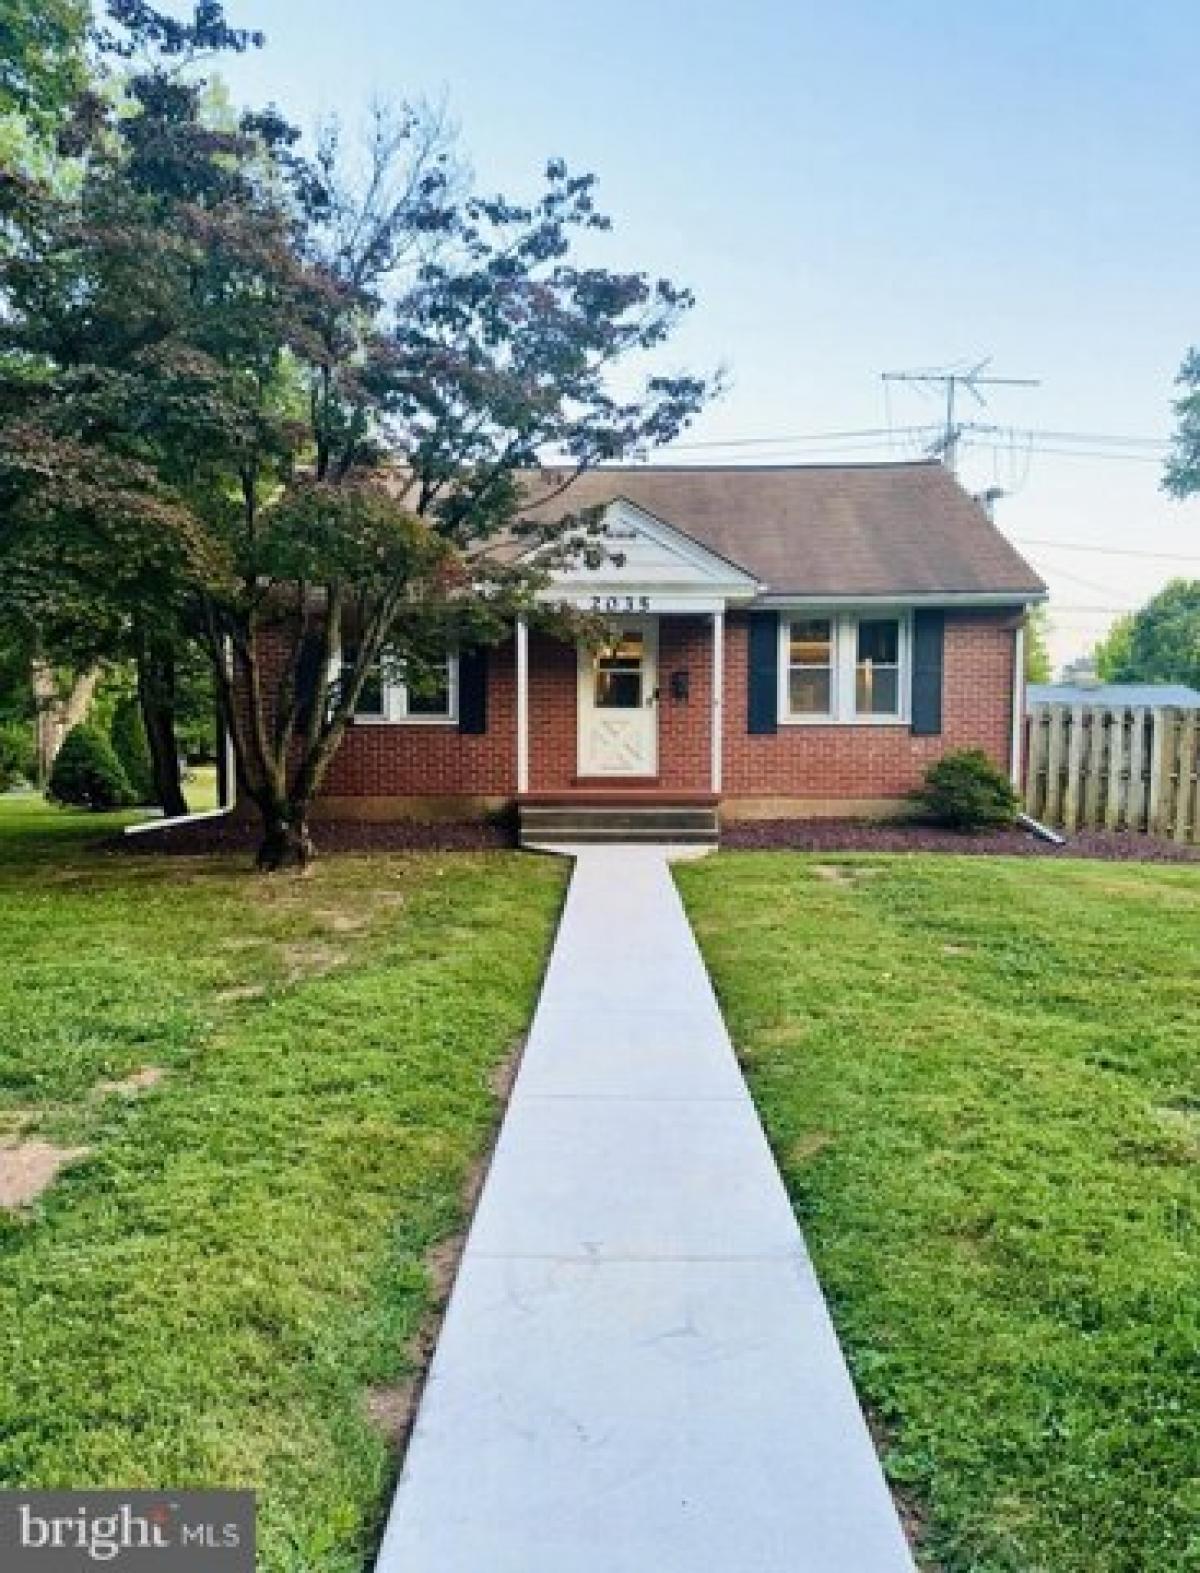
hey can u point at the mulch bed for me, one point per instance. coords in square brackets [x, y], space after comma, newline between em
[208, 836]
[845, 835]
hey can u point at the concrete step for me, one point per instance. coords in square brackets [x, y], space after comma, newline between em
[595, 837]
[621, 818]
[663, 822]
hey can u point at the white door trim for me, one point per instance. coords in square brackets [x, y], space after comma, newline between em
[642, 731]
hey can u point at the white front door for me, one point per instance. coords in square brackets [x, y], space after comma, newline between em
[618, 702]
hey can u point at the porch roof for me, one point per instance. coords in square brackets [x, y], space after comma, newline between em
[837, 531]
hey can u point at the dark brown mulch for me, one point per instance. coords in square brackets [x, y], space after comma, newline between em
[845, 835]
[210, 836]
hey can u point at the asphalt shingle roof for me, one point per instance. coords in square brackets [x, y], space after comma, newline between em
[821, 530]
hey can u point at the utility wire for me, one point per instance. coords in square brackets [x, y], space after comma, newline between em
[1106, 551]
[1022, 433]
[884, 433]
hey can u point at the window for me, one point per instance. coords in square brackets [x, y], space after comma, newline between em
[877, 671]
[371, 695]
[433, 699]
[810, 667]
[386, 697]
[844, 668]
[618, 673]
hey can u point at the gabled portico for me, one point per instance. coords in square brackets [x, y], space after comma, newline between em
[653, 573]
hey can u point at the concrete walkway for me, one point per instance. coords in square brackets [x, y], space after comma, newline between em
[637, 1373]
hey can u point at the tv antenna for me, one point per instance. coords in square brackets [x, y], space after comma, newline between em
[951, 379]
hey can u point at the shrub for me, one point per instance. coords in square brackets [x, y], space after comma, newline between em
[129, 743]
[87, 774]
[966, 791]
[18, 759]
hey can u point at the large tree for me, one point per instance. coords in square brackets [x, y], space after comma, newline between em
[1161, 642]
[1037, 646]
[294, 409]
[1182, 476]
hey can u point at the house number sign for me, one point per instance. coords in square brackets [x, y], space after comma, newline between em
[620, 603]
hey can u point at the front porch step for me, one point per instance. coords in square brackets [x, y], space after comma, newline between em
[560, 824]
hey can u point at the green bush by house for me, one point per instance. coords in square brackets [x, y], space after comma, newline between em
[87, 773]
[966, 791]
[18, 761]
[129, 743]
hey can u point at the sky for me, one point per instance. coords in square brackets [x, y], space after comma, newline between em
[852, 188]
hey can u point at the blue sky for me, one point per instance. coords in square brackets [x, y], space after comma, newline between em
[851, 188]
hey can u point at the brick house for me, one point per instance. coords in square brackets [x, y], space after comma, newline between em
[786, 641]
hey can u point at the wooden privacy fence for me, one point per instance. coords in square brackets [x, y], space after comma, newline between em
[1092, 766]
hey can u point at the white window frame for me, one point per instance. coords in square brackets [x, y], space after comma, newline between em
[395, 703]
[843, 688]
[808, 717]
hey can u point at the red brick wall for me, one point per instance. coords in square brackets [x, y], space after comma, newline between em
[432, 760]
[553, 715]
[875, 761]
[796, 762]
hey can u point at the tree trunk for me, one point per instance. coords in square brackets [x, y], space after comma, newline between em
[156, 695]
[56, 715]
[285, 842]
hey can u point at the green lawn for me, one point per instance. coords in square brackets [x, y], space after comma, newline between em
[981, 1081]
[211, 1295]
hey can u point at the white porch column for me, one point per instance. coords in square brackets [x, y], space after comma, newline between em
[718, 698]
[522, 705]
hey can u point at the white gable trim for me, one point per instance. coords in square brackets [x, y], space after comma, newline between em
[676, 573]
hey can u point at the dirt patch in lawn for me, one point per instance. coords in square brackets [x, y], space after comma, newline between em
[391, 1411]
[30, 1167]
[344, 922]
[811, 1145]
[844, 873]
[311, 959]
[847, 835]
[243, 991]
[132, 1086]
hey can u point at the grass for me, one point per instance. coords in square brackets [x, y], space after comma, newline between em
[200, 788]
[210, 1296]
[981, 1080]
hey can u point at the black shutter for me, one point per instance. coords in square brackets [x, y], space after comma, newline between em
[472, 690]
[762, 709]
[308, 670]
[929, 641]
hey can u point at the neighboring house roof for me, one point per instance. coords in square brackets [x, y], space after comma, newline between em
[1118, 695]
[820, 530]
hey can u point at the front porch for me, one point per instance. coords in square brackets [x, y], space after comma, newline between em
[643, 759]
[646, 732]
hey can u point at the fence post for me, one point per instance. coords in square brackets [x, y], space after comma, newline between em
[1071, 800]
[1054, 763]
[1035, 756]
[1135, 799]
[1185, 818]
[1116, 767]
[1160, 734]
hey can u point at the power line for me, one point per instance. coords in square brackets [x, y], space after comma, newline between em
[1073, 453]
[1087, 584]
[1100, 438]
[1034, 440]
[1106, 551]
[886, 433]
